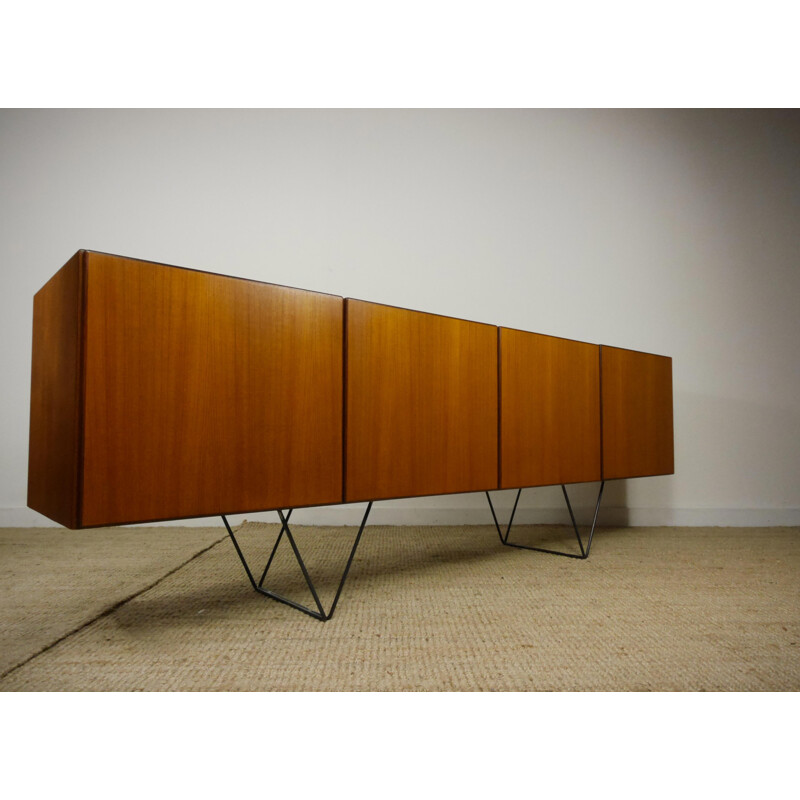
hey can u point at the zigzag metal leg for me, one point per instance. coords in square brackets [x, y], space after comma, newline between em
[594, 518]
[584, 550]
[504, 539]
[319, 613]
[275, 548]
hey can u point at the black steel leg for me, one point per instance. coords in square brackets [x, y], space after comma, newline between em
[319, 613]
[584, 550]
[275, 548]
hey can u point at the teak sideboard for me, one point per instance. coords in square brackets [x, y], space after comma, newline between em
[161, 392]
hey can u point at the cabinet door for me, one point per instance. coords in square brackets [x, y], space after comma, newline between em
[549, 410]
[206, 394]
[421, 415]
[637, 414]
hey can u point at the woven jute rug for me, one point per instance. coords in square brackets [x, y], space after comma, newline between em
[427, 608]
[54, 581]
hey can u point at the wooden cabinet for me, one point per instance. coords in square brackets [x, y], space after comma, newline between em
[637, 414]
[549, 410]
[162, 393]
[421, 411]
[188, 394]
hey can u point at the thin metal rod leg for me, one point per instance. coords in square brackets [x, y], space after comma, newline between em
[584, 550]
[302, 564]
[319, 613]
[350, 560]
[239, 553]
[594, 520]
[274, 549]
[574, 524]
[503, 539]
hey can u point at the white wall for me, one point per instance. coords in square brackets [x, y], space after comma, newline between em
[675, 232]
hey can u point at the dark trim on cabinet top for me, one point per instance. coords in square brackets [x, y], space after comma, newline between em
[548, 335]
[631, 350]
[417, 311]
[210, 272]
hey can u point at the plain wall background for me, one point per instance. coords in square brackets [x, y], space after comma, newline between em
[674, 232]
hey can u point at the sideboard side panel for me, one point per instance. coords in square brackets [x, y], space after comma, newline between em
[550, 410]
[207, 394]
[422, 405]
[56, 384]
[637, 414]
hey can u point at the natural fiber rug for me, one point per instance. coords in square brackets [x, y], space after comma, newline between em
[427, 608]
[53, 581]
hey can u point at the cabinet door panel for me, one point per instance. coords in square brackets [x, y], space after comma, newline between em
[549, 410]
[421, 403]
[637, 414]
[207, 394]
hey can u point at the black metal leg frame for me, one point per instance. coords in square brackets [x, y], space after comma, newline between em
[320, 613]
[584, 550]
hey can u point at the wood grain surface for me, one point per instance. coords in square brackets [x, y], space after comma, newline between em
[637, 414]
[207, 394]
[549, 410]
[159, 393]
[421, 403]
[55, 421]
